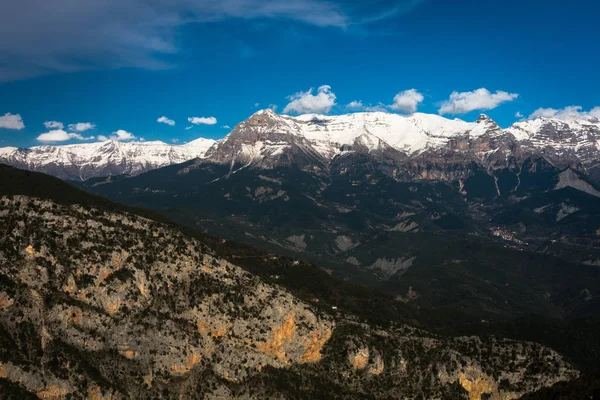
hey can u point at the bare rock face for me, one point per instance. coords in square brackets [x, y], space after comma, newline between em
[107, 305]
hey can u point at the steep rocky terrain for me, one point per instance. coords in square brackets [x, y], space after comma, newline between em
[97, 302]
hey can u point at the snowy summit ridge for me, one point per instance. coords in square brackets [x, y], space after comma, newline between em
[267, 137]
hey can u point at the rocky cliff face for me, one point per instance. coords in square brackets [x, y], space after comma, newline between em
[104, 304]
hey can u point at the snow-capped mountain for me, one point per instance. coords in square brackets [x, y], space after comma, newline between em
[267, 139]
[84, 161]
[574, 139]
[420, 144]
[267, 134]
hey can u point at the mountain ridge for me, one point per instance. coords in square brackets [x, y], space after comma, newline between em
[267, 139]
[111, 157]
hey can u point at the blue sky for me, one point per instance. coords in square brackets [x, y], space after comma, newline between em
[121, 67]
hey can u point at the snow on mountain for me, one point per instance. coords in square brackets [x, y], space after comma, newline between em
[268, 138]
[6, 151]
[83, 161]
[328, 134]
[410, 134]
[563, 141]
[574, 132]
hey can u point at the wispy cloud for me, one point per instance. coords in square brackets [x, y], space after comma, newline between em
[64, 35]
[480, 99]
[386, 11]
[54, 125]
[355, 105]
[358, 105]
[570, 112]
[81, 126]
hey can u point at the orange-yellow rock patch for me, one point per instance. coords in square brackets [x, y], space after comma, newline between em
[52, 393]
[192, 359]
[360, 360]
[281, 334]
[476, 383]
[314, 346]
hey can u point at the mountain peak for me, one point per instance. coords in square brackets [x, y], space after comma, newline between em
[265, 111]
[483, 118]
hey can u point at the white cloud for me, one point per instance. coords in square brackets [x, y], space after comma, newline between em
[202, 120]
[480, 99]
[355, 105]
[273, 107]
[306, 102]
[59, 135]
[102, 138]
[226, 127]
[12, 121]
[256, 105]
[165, 120]
[358, 105]
[570, 112]
[122, 135]
[519, 114]
[379, 107]
[81, 126]
[189, 127]
[53, 125]
[174, 140]
[407, 101]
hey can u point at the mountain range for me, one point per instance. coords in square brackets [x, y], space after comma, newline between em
[413, 205]
[418, 146]
[84, 161]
